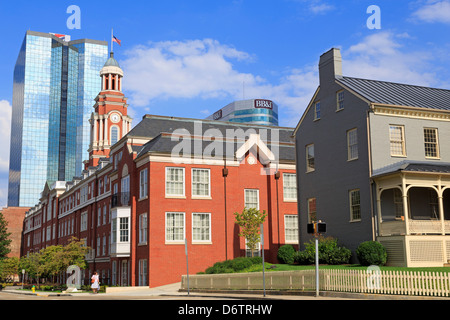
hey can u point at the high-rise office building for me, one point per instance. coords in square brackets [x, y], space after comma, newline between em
[253, 111]
[55, 83]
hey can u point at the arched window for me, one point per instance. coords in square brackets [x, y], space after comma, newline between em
[114, 135]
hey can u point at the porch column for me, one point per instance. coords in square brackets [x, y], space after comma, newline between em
[405, 204]
[441, 206]
[379, 211]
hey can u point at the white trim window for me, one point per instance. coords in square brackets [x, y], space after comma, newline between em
[174, 181]
[352, 144]
[355, 205]
[48, 233]
[175, 227]
[114, 134]
[291, 228]
[143, 231]
[201, 227]
[312, 210]
[104, 246]
[340, 95]
[317, 113]
[114, 273]
[310, 158]
[431, 142]
[289, 187]
[251, 199]
[397, 140]
[142, 272]
[84, 221]
[143, 183]
[123, 229]
[201, 182]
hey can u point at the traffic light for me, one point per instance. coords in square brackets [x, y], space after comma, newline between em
[317, 227]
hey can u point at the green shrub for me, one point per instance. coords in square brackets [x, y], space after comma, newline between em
[303, 257]
[255, 260]
[285, 254]
[339, 255]
[329, 253]
[235, 265]
[240, 263]
[371, 253]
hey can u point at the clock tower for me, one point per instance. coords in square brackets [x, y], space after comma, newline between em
[109, 121]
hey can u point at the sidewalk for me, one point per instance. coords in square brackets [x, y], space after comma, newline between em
[173, 290]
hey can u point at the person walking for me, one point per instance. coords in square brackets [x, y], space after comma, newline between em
[95, 282]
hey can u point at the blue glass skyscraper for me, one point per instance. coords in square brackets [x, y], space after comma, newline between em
[55, 84]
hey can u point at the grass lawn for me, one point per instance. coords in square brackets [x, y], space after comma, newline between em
[288, 267]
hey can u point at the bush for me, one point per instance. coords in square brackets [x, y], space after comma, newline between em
[240, 263]
[339, 255]
[303, 257]
[371, 253]
[235, 265]
[286, 254]
[329, 253]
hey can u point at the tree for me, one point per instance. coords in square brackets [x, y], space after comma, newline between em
[4, 237]
[53, 260]
[8, 268]
[250, 221]
[31, 264]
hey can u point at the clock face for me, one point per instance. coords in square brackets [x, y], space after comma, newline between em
[115, 118]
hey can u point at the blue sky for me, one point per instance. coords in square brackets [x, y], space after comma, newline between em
[190, 58]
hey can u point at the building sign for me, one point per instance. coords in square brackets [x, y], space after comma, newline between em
[217, 115]
[266, 104]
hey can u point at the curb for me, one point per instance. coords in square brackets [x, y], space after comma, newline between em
[40, 294]
[324, 294]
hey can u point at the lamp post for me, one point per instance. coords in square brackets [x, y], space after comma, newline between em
[262, 251]
[187, 262]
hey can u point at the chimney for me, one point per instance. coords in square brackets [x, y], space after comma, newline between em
[330, 66]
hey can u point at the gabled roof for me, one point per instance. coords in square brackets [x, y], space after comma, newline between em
[398, 94]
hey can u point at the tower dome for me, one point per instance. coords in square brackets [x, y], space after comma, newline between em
[111, 75]
[111, 61]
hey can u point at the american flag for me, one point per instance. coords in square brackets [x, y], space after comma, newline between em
[117, 41]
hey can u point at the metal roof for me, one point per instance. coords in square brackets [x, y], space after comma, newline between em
[391, 93]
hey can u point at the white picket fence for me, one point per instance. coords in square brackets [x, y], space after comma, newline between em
[387, 282]
[412, 283]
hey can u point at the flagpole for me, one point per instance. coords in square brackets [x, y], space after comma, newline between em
[112, 42]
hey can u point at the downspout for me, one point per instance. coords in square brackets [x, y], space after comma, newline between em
[371, 182]
[225, 175]
[277, 177]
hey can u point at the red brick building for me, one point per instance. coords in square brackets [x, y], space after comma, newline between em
[14, 218]
[147, 190]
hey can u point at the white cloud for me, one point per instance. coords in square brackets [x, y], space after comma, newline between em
[382, 56]
[434, 11]
[320, 8]
[5, 132]
[204, 69]
[188, 69]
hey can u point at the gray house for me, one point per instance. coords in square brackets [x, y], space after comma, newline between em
[373, 162]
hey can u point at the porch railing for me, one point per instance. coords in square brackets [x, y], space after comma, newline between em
[415, 227]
